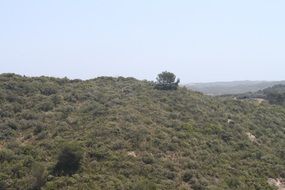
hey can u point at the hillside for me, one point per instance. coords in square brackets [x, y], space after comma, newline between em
[236, 87]
[127, 135]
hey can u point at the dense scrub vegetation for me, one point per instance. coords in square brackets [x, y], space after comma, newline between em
[121, 133]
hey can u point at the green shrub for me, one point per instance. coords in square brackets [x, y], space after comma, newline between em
[46, 106]
[3, 185]
[6, 155]
[148, 159]
[38, 129]
[48, 90]
[187, 176]
[145, 185]
[39, 177]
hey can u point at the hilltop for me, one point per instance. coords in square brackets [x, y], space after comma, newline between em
[122, 133]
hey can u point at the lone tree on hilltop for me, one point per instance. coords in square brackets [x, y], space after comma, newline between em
[166, 81]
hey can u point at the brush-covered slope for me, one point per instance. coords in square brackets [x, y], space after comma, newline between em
[131, 136]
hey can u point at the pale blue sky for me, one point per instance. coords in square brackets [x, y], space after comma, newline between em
[198, 40]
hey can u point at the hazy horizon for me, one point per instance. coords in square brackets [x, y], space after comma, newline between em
[199, 41]
[153, 79]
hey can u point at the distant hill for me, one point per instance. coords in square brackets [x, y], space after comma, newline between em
[274, 95]
[236, 87]
[123, 134]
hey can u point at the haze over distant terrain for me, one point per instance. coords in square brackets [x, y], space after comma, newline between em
[235, 87]
[200, 41]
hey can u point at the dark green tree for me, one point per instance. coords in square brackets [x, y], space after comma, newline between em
[68, 160]
[166, 81]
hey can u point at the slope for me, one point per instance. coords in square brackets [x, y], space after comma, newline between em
[135, 137]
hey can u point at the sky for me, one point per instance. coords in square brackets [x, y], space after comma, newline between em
[198, 40]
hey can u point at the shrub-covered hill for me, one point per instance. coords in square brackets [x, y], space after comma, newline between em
[121, 133]
[234, 88]
[274, 95]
